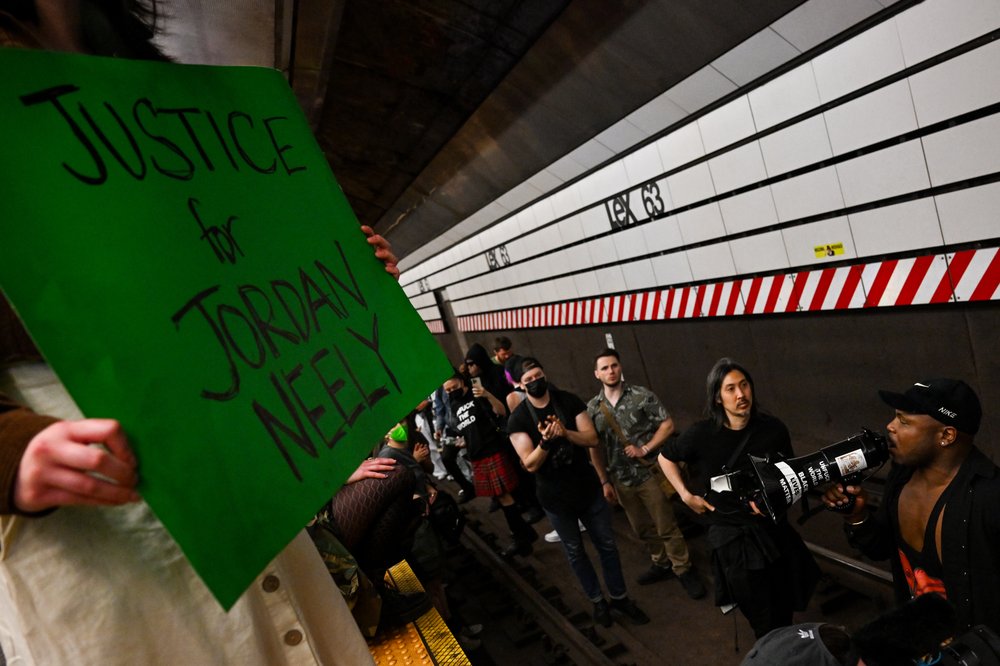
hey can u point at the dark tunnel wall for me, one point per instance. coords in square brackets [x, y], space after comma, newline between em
[818, 373]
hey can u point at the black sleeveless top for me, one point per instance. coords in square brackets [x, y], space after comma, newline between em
[923, 569]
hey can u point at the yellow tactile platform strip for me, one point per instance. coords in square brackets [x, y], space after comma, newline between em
[426, 641]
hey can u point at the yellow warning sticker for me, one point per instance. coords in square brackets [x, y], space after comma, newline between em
[831, 250]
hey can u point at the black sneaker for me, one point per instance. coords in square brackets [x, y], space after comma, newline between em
[602, 613]
[627, 608]
[465, 496]
[692, 584]
[529, 535]
[533, 515]
[522, 548]
[399, 608]
[655, 574]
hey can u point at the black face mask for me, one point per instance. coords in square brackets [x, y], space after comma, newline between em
[456, 395]
[537, 388]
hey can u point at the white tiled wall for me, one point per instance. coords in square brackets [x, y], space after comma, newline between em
[766, 228]
[884, 173]
[964, 151]
[680, 147]
[759, 253]
[750, 210]
[672, 268]
[738, 167]
[906, 226]
[971, 214]
[643, 164]
[701, 224]
[691, 185]
[874, 54]
[711, 261]
[808, 194]
[965, 83]
[785, 97]
[934, 26]
[801, 241]
[881, 114]
[727, 124]
[662, 234]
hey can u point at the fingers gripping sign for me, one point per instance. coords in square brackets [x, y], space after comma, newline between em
[383, 251]
[60, 467]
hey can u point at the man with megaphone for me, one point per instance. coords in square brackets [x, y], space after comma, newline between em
[939, 519]
[761, 565]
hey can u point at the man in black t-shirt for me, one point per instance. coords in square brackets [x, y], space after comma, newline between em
[556, 439]
[762, 566]
[477, 413]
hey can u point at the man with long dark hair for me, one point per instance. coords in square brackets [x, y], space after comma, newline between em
[761, 566]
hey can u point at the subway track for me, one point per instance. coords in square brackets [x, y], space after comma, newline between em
[535, 613]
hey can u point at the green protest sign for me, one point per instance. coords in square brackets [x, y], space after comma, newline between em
[176, 244]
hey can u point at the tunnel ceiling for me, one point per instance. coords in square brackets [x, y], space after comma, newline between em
[430, 109]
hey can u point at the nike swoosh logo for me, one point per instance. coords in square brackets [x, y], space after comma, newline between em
[921, 385]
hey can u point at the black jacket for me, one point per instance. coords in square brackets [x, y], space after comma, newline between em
[493, 376]
[970, 539]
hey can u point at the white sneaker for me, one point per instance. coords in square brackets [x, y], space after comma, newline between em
[553, 536]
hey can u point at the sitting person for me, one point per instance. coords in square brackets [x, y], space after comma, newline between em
[410, 450]
[369, 525]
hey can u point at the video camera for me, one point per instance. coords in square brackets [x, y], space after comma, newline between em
[977, 647]
[773, 486]
[922, 632]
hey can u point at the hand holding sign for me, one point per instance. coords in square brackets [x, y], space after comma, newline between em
[383, 251]
[58, 467]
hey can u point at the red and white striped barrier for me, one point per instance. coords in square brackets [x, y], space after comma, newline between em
[969, 275]
[435, 325]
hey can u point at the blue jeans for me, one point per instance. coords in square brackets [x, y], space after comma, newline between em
[597, 519]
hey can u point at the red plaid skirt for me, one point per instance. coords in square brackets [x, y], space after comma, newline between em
[494, 475]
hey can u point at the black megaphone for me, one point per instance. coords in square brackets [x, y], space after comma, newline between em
[783, 482]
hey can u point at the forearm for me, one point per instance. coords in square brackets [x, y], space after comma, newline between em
[535, 459]
[672, 471]
[659, 437]
[581, 438]
[498, 407]
[532, 457]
